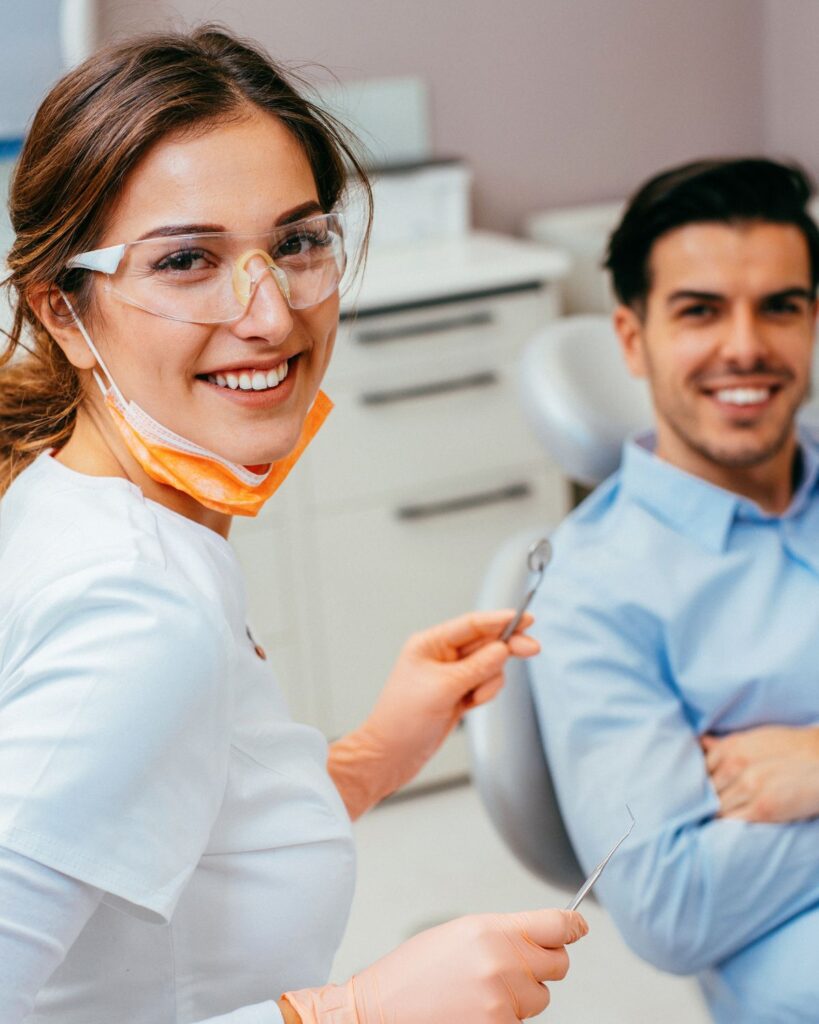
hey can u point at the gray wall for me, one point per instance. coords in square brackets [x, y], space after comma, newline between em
[791, 80]
[552, 101]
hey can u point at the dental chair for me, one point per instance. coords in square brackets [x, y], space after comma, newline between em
[581, 403]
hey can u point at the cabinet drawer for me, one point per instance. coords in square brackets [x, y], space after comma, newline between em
[381, 575]
[411, 431]
[367, 345]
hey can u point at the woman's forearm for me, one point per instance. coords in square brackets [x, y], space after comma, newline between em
[362, 770]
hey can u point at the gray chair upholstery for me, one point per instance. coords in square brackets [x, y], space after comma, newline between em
[582, 403]
[578, 397]
[508, 765]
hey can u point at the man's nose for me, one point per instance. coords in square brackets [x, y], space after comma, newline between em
[744, 340]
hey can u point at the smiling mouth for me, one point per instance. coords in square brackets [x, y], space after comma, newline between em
[249, 379]
[744, 396]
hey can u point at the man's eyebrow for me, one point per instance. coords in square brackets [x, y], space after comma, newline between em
[288, 217]
[797, 292]
[688, 294]
[693, 294]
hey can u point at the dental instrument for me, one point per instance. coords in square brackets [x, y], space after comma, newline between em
[586, 887]
[537, 558]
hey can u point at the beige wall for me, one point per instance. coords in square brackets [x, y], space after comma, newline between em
[552, 101]
[791, 82]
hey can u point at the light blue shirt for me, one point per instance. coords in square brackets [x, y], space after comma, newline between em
[674, 608]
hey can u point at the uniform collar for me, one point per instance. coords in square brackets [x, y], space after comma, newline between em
[694, 507]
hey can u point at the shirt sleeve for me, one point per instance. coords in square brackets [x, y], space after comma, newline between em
[688, 889]
[115, 718]
[41, 914]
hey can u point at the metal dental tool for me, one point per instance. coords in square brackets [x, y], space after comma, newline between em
[539, 556]
[586, 887]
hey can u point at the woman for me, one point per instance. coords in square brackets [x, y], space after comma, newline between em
[172, 846]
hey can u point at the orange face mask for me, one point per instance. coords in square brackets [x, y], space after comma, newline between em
[211, 480]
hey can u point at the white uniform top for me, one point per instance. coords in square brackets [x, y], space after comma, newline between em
[145, 750]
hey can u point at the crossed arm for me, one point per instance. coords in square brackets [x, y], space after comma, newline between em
[767, 774]
[693, 886]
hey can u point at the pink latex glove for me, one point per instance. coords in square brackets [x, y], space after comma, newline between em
[481, 969]
[440, 673]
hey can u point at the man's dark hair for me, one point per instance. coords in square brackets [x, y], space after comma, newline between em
[722, 191]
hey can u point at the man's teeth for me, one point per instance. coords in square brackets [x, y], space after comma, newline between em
[251, 380]
[743, 396]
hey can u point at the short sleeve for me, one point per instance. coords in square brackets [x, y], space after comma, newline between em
[115, 727]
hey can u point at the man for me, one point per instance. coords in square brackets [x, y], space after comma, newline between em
[679, 619]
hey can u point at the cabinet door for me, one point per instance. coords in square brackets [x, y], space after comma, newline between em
[494, 326]
[413, 429]
[384, 571]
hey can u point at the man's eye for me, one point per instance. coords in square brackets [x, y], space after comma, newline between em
[783, 306]
[698, 312]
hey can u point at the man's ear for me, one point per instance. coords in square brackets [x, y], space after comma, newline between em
[629, 328]
[49, 306]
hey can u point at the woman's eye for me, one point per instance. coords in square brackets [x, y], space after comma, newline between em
[182, 261]
[301, 244]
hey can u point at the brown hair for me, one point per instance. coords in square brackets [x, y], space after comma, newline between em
[87, 136]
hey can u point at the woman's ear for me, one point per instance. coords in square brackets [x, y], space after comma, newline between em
[48, 304]
[629, 328]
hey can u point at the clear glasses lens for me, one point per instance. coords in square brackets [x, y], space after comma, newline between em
[190, 277]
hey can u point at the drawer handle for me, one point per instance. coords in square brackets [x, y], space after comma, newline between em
[454, 323]
[486, 379]
[514, 492]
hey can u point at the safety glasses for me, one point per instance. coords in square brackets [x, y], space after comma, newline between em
[211, 277]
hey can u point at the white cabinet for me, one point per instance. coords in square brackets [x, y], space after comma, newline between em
[424, 467]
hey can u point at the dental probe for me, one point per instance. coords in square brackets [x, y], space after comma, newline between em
[586, 887]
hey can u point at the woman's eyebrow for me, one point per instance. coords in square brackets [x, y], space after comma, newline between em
[303, 210]
[170, 230]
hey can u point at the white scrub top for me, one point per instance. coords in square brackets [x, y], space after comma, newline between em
[146, 750]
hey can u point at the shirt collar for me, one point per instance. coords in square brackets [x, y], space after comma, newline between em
[693, 506]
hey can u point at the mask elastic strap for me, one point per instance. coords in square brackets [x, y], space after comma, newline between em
[94, 352]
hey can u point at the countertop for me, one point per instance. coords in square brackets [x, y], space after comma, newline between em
[477, 262]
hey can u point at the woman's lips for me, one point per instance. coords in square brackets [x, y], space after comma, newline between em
[254, 386]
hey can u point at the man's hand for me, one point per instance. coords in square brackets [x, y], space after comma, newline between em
[766, 774]
[440, 673]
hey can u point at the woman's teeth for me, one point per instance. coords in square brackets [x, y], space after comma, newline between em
[743, 396]
[250, 380]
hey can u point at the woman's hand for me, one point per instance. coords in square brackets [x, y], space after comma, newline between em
[440, 673]
[766, 774]
[481, 969]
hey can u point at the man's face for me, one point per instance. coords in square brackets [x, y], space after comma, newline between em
[725, 341]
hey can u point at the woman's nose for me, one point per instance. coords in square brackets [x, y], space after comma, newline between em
[267, 313]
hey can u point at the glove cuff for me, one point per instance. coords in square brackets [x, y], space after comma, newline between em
[328, 1004]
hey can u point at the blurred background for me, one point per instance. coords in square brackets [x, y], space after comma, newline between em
[503, 140]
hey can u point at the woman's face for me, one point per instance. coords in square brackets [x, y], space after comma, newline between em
[246, 176]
